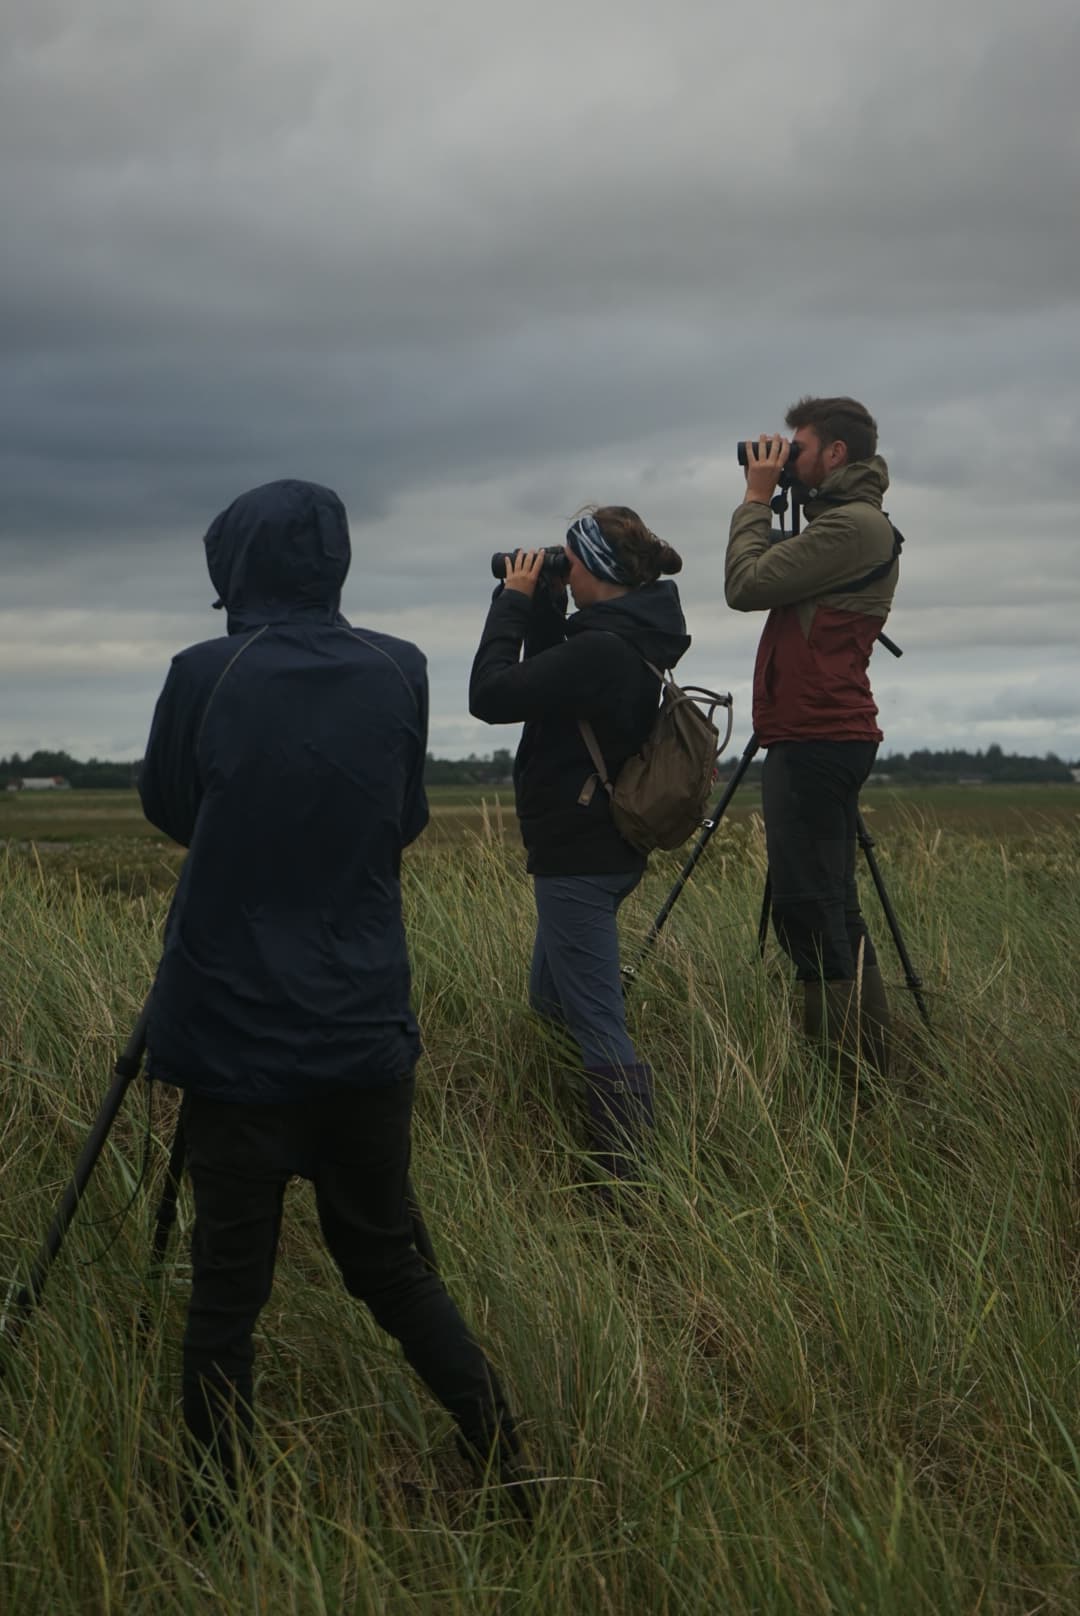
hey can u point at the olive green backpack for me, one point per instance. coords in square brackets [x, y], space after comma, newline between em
[661, 793]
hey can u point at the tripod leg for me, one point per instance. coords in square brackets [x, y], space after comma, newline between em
[763, 922]
[126, 1069]
[911, 977]
[165, 1217]
[630, 971]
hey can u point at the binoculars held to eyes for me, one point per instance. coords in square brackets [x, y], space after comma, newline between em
[556, 562]
[747, 449]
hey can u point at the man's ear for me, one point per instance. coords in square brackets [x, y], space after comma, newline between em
[836, 455]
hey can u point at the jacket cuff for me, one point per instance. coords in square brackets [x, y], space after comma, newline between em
[752, 519]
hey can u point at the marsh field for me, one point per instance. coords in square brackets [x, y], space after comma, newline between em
[832, 1365]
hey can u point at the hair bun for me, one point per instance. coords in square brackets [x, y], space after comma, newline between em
[641, 555]
[670, 560]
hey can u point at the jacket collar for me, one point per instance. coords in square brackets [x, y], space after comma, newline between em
[864, 480]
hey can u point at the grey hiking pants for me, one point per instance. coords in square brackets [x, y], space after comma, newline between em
[574, 979]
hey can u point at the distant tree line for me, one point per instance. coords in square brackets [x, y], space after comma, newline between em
[95, 775]
[992, 767]
[496, 770]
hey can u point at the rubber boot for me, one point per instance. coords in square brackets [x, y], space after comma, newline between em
[619, 1101]
[831, 1023]
[874, 1020]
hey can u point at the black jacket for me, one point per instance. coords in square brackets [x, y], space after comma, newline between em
[288, 756]
[588, 666]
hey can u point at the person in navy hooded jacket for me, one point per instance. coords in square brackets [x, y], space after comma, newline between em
[288, 756]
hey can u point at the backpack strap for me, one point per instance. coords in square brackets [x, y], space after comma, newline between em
[875, 572]
[600, 775]
[699, 694]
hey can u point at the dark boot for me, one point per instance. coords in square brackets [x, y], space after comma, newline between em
[875, 1020]
[219, 1451]
[500, 1462]
[831, 1022]
[619, 1100]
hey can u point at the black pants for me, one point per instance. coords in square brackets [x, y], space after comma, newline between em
[810, 798]
[354, 1146]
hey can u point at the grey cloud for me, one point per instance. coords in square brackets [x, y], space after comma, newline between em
[537, 182]
[474, 267]
[1044, 705]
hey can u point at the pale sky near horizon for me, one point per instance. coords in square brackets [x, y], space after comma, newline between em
[476, 266]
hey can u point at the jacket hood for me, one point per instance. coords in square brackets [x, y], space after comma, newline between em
[860, 479]
[650, 617]
[279, 550]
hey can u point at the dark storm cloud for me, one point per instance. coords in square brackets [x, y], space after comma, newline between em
[475, 267]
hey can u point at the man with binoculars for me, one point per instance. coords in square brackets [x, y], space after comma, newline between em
[828, 590]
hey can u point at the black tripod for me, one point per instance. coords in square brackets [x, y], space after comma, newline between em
[125, 1070]
[865, 841]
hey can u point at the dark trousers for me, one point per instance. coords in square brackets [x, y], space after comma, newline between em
[354, 1146]
[810, 798]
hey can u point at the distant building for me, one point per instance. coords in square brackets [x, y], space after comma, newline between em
[41, 782]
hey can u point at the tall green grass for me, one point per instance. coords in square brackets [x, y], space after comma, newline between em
[831, 1366]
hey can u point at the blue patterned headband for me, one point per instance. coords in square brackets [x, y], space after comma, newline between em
[593, 551]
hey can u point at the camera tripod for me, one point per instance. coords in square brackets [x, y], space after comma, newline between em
[865, 842]
[125, 1070]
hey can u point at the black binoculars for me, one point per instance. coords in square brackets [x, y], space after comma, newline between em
[556, 562]
[747, 449]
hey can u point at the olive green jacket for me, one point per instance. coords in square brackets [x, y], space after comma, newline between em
[811, 678]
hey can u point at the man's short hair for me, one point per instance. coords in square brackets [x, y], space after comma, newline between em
[837, 419]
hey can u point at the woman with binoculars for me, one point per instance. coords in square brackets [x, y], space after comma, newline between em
[592, 666]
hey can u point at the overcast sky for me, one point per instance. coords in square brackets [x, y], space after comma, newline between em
[476, 265]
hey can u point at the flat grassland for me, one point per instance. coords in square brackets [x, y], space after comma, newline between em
[832, 1365]
[113, 820]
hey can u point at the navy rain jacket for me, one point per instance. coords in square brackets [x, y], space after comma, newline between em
[288, 756]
